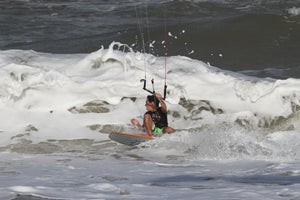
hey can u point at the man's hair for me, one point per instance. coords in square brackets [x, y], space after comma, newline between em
[152, 98]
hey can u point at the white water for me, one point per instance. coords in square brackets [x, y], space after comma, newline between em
[294, 11]
[236, 135]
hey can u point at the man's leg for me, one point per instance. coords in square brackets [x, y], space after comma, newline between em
[148, 123]
[168, 130]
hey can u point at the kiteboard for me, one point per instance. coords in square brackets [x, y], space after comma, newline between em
[128, 138]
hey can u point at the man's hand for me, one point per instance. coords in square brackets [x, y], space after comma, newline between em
[158, 96]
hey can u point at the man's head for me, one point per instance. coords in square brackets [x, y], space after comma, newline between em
[152, 103]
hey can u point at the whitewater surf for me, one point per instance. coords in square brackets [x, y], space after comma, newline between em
[53, 107]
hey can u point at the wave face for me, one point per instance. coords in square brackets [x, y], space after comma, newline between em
[260, 38]
[61, 102]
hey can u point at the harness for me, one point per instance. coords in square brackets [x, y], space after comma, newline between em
[159, 118]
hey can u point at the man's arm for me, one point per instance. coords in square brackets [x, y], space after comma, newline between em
[162, 103]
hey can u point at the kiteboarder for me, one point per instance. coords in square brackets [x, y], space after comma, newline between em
[155, 119]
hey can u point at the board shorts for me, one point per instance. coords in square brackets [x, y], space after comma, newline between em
[157, 132]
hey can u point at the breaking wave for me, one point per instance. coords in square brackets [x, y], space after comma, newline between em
[70, 102]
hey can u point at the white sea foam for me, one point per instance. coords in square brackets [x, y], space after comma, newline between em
[40, 93]
[67, 104]
[23, 189]
[294, 11]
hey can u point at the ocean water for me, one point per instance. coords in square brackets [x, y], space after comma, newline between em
[70, 74]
